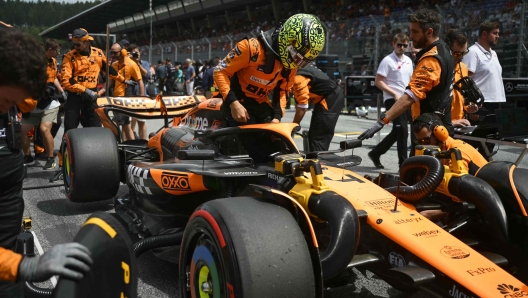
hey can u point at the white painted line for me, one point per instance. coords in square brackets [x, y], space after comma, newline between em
[41, 252]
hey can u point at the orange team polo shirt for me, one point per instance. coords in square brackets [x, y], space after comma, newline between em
[129, 70]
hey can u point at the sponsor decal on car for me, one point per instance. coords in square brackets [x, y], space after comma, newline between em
[407, 220]
[196, 123]
[396, 260]
[240, 173]
[427, 234]
[510, 291]
[454, 252]
[213, 103]
[455, 292]
[173, 181]
[273, 176]
[480, 271]
[382, 204]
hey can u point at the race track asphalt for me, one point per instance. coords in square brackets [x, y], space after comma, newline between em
[57, 220]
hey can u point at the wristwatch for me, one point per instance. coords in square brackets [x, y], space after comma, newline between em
[384, 118]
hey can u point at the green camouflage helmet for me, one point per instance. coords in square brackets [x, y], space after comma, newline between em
[301, 40]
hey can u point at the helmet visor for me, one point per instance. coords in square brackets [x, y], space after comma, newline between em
[298, 58]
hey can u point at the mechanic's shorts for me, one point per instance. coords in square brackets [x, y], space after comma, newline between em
[139, 120]
[46, 116]
[121, 119]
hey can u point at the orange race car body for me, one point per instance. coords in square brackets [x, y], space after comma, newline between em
[199, 159]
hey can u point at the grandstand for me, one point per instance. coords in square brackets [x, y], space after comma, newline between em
[358, 31]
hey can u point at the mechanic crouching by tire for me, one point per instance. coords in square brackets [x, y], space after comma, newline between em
[311, 84]
[80, 70]
[22, 77]
[257, 66]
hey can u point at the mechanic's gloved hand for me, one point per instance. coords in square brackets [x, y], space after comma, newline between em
[131, 82]
[369, 133]
[70, 260]
[92, 94]
[64, 95]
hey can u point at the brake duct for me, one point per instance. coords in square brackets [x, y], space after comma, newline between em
[324, 205]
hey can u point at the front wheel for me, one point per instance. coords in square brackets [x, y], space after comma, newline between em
[244, 247]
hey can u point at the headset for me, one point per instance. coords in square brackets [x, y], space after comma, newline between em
[123, 51]
[433, 124]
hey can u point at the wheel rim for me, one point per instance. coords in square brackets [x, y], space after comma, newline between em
[206, 279]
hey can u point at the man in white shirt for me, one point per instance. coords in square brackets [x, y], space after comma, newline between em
[393, 76]
[486, 71]
[484, 67]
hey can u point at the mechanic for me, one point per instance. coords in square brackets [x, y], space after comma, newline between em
[429, 90]
[79, 74]
[23, 77]
[128, 75]
[245, 77]
[457, 41]
[46, 112]
[393, 75]
[424, 129]
[312, 85]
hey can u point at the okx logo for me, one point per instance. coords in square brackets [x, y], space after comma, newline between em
[510, 291]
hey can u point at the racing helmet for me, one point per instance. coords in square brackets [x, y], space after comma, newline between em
[301, 39]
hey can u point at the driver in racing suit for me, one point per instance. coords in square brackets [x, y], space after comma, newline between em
[245, 79]
[256, 67]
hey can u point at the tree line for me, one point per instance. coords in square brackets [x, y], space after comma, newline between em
[36, 17]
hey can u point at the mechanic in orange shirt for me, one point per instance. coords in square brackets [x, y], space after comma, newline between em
[257, 66]
[432, 81]
[22, 77]
[457, 41]
[312, 85]
[128, 76]
[424, 126]
[79, 74]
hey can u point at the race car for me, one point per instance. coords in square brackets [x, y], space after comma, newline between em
[245, 213]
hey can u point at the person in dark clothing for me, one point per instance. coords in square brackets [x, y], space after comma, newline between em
[171, 76]
[208, 80]
[22, 78]
[161, 74]
[311, 84]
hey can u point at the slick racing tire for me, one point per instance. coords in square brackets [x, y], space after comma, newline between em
[244, 247]
[90, 164]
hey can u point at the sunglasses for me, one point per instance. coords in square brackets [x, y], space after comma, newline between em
[114, 53]
[77, 44]
[402, 45]
[424, 141]
[460, 54]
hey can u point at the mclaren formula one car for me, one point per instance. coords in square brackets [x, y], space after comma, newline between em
[246, 214]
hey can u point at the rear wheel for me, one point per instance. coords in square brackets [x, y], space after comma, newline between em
[90, 164]
[243, 247]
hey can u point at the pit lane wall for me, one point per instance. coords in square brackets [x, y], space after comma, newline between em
[360, 91]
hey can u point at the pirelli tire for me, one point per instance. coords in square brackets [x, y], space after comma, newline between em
[244, 247]
[90, 164]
